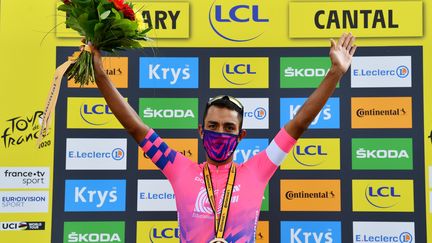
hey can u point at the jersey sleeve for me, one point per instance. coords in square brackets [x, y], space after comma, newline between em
[265, 163]
[169, 161]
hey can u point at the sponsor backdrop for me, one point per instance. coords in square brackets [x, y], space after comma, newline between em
[361, 173]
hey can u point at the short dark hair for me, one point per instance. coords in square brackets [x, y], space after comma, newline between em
[225, 101]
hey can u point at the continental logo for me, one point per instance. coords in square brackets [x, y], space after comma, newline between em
[262, 232]
[228, 17]
[314, 154]
[303, 72]
[115, 67]
[310, 195]
[90, 113]
[366, 19]
[381, 112]
[382, 154]
[181, 113]
[239, 73]
[383, 195]
[187, 147]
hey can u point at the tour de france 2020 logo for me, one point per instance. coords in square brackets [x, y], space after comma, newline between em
[23, 129]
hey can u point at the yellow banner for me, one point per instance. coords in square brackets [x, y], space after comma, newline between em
[365, 19]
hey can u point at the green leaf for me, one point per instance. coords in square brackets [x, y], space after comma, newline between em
[105, 14]
[64, 8]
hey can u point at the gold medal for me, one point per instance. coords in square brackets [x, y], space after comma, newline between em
[218, 240]
[220, 221]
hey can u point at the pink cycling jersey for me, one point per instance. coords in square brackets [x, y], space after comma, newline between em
[195, 215]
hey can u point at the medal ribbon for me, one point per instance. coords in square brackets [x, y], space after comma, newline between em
[220, 222]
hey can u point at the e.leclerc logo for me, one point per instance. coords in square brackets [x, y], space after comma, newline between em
[397, 232]
[227, 17]
[95, 195]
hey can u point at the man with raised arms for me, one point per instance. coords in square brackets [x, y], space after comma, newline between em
[218, 200]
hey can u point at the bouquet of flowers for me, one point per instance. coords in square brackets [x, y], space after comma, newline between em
[109, 25]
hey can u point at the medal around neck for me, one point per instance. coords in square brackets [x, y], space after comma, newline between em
[218, 240]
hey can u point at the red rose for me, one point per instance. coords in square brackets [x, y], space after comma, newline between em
[128, 12]
[67, 1]
[118, 4]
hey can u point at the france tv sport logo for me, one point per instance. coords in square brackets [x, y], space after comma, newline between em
[89, 112]
[168, 72]
[226, 18]
[328, 117]
[95, 195]
[311, 231]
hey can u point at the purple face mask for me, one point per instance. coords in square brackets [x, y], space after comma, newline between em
[219, 146]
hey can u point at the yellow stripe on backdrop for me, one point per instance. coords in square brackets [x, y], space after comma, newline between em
[27, 63]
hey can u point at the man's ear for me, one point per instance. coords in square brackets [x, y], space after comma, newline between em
[200, 130]
[242, 134]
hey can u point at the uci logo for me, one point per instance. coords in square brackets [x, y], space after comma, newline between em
[88, 112]
[166, 233]
[226, 19]
[382, 197]
[241, 71]
[308, 155]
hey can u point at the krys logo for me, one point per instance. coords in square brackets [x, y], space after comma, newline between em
[95, 195]
[313, 154]
[168, 72]
[248, 148]
[158, 232]
[21, 130]
[228, 17]
[328, 117]
[311, 231]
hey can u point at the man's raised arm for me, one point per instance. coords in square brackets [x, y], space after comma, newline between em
[118, 105]
[341, 54]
